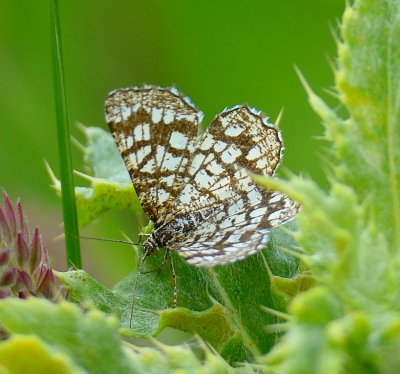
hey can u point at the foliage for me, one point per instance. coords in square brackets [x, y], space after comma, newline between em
[48, 337]
[350, 234]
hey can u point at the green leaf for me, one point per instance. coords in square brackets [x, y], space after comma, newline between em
[27, 353]
[90, 340]
[222, 305]
[111, 187]
[103, 158]
[50, 338]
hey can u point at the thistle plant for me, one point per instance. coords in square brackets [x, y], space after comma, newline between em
[24, 267]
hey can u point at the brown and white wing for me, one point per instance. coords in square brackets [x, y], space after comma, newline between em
[237, 140]
[155, 130]
[240, 212]
[233, 233]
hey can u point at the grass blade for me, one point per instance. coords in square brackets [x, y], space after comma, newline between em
[67, 183]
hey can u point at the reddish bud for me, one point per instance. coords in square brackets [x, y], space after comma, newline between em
[4, 228]
[10, 215]
[46, 282]
[8, 278]
[24, 279]
[35, 251]
[23, 261]
[21, 224]
[4, 256]
[21, 249]
[44, 256]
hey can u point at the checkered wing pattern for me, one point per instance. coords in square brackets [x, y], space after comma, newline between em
[155, 130]
[197, 190]
[237, 213]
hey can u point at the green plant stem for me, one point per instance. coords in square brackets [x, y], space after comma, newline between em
[67, 183]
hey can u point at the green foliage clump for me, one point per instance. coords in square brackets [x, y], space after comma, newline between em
[350, 234]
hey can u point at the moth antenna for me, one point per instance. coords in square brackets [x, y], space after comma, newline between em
[109, 240]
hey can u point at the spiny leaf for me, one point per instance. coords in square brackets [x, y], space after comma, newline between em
[368, 81]
[45, 337]
[222, 305]
[27, 353]
[91, 340]
[350, 234]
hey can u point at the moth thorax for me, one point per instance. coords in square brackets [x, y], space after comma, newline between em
[150, 246]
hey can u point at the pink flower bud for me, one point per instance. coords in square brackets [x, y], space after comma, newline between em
[10, 215]
[4, 256]
[35, 251]
[8, 278]
[20, 219]
[46, 284]
[21, 249]
[5, 233]
[24, 270]
[24, 280]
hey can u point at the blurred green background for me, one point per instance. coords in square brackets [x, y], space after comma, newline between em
[219, 53]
